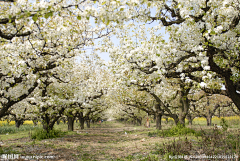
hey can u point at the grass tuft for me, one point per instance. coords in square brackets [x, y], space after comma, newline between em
[178, 130]
[41, 134]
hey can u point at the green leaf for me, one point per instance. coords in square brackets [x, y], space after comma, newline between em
[28, 14]
[49, 7]
[49, 14]
[103, 20]
[121, 9]
[79, 17]
[212, 32]
[108, 22]
[35, 17]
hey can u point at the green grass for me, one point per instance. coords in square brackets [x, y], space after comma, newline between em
[11, 132]
[12, 129]
[178, 130]
[41, 134]
[79, 148]
[21, 134]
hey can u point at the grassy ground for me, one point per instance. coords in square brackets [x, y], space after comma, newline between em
[118, 141]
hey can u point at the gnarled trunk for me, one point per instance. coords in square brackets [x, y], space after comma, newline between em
[88, 123]
[35, 122]
[159, 114]
[47, 126]
[81, 120]
[70, 123]
[166, 120]
[190, 119]
[18, 122]
[184, 109]
[47, 123]
[159, 121]
[82, 123]
[209, 120]
[139, 121]
[175, 118]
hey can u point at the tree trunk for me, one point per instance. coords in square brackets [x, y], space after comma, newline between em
[35, 122]
[45, 122]
[231, 90]
[161, 104]
[82, 123]
[48, 122]
[166, 120]
[184, 109]
[208, 116]
[158, 114]
[219, 112]
[139, 121]
[209, 120]
[48, 127]
[64, 121]
[159, 121]
[18, 123]
[88, 123]
[81, 120]
[182, 120]
[134, 121]
[190, 119]
[70, 123]
[175, 118]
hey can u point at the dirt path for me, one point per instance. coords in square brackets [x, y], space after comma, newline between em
[106, 143]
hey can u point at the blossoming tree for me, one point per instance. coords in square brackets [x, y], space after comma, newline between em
[36, 37]
[204, 38]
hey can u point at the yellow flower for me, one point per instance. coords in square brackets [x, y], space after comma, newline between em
[28, 122]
